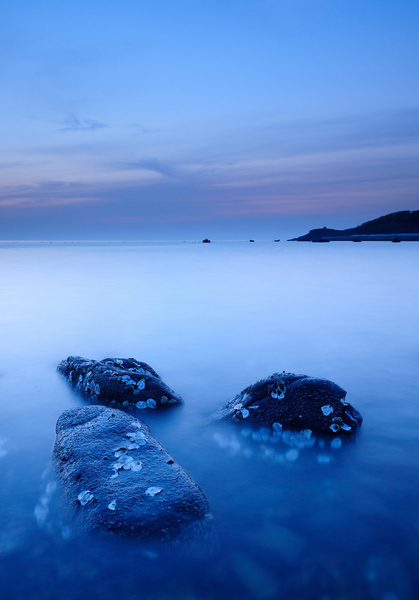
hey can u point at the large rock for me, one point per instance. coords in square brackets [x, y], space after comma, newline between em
[293, 402]
[119, 382]
[117, 478]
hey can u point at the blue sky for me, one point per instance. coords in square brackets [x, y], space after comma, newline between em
[184, 119]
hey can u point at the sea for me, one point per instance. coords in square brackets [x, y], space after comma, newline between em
[289, 519]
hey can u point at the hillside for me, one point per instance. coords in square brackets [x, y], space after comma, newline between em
[402, 222]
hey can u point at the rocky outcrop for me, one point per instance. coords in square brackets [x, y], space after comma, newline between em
[117, 478]
[118, 382]
[404, 224]
[289, 401]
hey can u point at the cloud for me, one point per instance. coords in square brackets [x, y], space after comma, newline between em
[149, 164]
[73, 123]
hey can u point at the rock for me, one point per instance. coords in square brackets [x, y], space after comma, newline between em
[293, 402]
[117, 478]
[206, 241]
[119, 382]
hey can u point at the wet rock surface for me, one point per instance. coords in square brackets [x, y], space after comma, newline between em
[117, 478]
[299, 402]
[119, 382]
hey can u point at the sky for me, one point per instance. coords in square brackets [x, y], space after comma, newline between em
[185, 119]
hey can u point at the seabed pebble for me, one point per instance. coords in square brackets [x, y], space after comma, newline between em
[292, 454]
[323, 459]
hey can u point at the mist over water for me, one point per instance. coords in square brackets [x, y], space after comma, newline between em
[318, 522]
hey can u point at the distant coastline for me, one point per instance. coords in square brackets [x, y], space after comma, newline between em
[394, 227]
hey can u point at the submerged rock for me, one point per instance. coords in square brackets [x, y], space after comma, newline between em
[116, 477]
[119, 382]
[293, 402]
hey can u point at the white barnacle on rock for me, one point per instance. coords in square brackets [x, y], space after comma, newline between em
[70, 376]
[112, 505]
[125, 460]
[238, 406]
[120, 452]
[116, 466]
[136, 465]
[141, 384]
[253, 407]
[119, 362]
[141, 404]
[345, 427]
[153, 491]
[245, 413]
[327, 410]
[334, 427]
[133, 446]
[151, 403]
[164, 399]
[85, 497]
[277, 426]
[279, 391]
[97, 389]
[137, 436]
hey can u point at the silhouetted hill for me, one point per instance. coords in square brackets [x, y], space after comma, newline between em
[402, 222]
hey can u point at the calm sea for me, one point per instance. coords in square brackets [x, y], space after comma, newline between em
[320, 522]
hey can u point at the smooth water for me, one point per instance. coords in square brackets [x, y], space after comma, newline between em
[319, 523]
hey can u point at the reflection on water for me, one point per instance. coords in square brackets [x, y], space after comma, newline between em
[294, 516]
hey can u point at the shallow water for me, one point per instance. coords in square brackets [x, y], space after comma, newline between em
[289, 522]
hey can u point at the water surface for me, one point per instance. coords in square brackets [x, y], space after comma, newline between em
[309, 523]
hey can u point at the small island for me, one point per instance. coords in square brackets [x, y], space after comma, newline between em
[395, 227]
